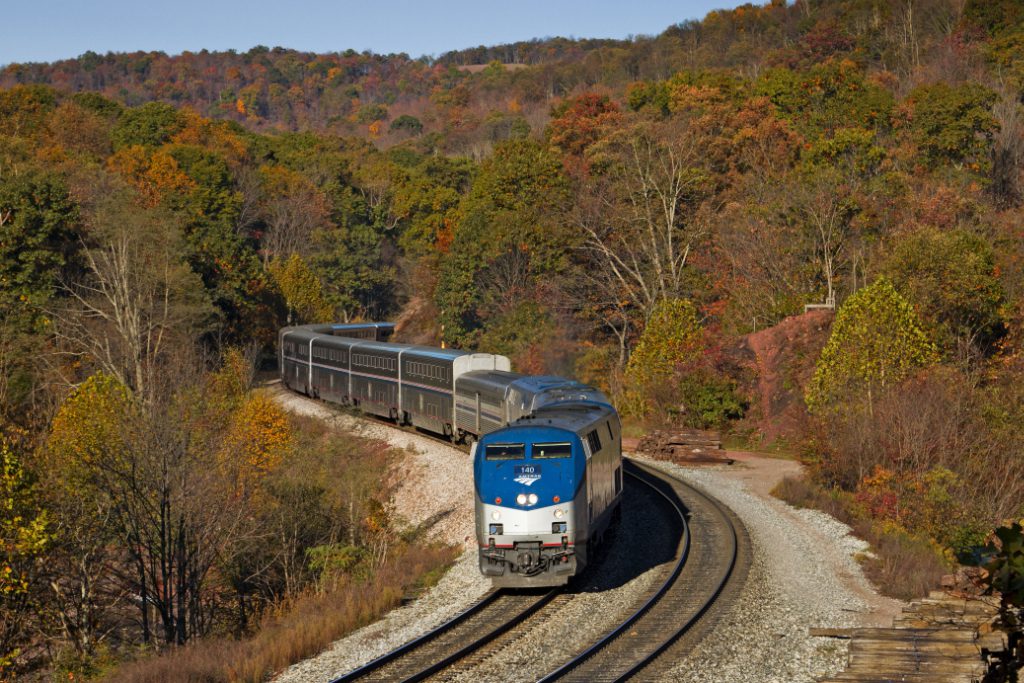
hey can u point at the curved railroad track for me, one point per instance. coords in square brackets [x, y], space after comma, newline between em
[712, 558]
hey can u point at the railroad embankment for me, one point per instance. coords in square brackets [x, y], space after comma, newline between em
[804, 574]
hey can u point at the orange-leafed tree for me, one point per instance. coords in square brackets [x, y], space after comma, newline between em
[157, 175]
[257, 442]
[579, 122]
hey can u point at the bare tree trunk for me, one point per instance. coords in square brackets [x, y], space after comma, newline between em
[640, 228]
[143, 594]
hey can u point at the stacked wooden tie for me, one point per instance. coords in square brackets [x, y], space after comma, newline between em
[936, 640]
[685, 447]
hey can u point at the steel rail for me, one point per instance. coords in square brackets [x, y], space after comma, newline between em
[373, 665]
[653, 653]
[483, 640]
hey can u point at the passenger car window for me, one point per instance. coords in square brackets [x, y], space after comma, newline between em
[547, 451]
[504, 451]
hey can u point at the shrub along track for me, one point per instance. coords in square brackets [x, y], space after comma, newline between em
[710, 560]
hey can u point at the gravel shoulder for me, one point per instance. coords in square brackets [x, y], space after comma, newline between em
[433, 485]
[803, 575]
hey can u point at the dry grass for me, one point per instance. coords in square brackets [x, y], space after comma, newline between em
[300, 629]
[803, 493]
[902, 566]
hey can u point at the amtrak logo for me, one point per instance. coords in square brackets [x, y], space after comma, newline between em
[527, 474]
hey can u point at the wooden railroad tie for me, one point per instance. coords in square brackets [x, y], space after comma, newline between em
[938, 640]
[686, 446]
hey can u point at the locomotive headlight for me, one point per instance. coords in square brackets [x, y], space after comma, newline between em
[495, 515]
[532, 498]
[521, 499]
[559, 513]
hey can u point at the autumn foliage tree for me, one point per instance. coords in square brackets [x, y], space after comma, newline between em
[302, 290]
[515, 207]
[581, 121]
[146, 470]
[952, 124]
[672, 372]
[951, 278]
[257, 441]
[25, 534]
[671, 338]
[137, 294]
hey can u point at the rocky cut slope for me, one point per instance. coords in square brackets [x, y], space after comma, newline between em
[784, 357]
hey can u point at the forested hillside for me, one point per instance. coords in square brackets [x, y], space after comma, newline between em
[622, 211]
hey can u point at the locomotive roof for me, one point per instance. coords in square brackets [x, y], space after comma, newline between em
[574, 416]
[491, 378]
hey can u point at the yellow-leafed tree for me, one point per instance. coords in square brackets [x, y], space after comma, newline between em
[24, 536]
[302, 290]
[672, 338]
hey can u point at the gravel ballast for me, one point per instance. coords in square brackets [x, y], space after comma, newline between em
[803, 574]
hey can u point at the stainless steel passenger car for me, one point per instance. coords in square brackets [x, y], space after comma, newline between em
[410, 384]
[485, 401]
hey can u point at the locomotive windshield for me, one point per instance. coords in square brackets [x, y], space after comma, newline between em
[552, 450]
[505, 451]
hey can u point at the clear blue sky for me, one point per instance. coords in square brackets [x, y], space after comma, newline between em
[47, 30]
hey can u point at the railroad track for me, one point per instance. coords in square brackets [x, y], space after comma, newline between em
[468, 632]
[703, 565]
[712, 555]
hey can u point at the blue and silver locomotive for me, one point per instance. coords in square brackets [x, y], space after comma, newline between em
[547, 487]
[547, 460]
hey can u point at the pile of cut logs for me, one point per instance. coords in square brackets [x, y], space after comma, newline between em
[690, 446]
